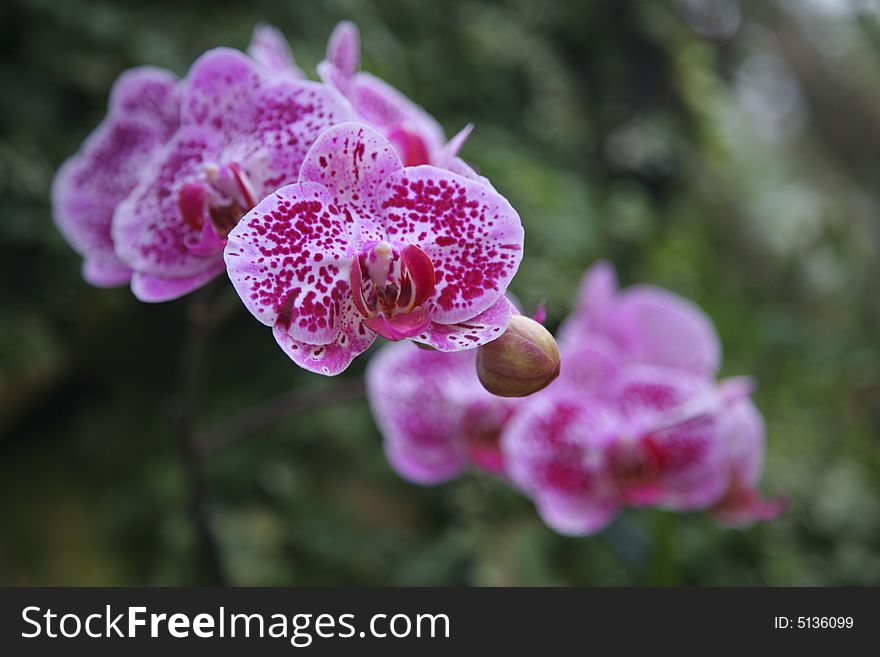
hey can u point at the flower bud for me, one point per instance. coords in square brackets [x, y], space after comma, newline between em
[522, 361]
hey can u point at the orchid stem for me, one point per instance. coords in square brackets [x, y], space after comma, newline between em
[199, 323]
[271, 411]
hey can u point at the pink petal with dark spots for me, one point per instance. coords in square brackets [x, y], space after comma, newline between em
[351, 160]
[469, 334]
[595, 303]
[419, 398]
[148, 230]
[142, 116]
[289, 261]
[471, 233]
[352, 339]
[220, 89]
[553, 450]
[673, 420]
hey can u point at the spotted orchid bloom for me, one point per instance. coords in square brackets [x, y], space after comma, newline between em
[362, 245]
[416, 135]
[244, 131]
[641, 324]
[435, 417]
[653, 438]
[141, 118]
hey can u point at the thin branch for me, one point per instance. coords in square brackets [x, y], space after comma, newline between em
[271, 411]
[200, 319]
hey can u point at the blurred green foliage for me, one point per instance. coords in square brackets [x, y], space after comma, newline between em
[727, 150]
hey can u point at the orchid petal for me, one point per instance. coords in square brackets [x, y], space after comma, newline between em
[149, 233]
[382, 106]
[418, 399]
[344, 48]
[680, 334]
[89, 186]
[553, 449]
[471, 234]
[155, 289]
[400, 327]
[105, 273]
[289, 261]
[450, 151]
[351, 160]
[472, 333]
[353, 338]
[269, 48]
[596, 297]
[219, 91]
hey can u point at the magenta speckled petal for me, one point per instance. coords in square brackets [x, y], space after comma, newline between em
[289, 115]
[471, 233]
[352, 339]
[662, 328]
[674, 419]
[149, 234]
[554, 449]
[269, 48]
[154, 289]
[289, 260]
[219, 91]
[351, 160]
[142, 116]
[148, 93]
[474, 332]
[419, 398]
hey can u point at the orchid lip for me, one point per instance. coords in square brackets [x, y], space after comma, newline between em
[214, 207]
[391, 288]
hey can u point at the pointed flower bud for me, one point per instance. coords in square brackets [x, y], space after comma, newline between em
[524, 360]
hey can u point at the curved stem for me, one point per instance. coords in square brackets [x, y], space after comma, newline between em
[267, 413]
[199, 323]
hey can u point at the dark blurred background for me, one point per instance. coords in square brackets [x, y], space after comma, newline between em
[727, 150]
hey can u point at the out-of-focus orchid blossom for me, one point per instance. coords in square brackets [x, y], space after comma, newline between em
[435, 417]
[142, 116]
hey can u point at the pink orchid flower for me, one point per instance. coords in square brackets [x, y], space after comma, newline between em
[244, 131]
[652, 438]
[141, 118]
[362, 245]
[644, 323]
[416, 135]
[435, 417]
